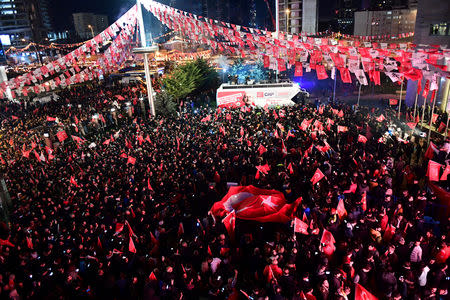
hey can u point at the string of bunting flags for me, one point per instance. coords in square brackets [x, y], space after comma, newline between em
[397, 61]
[120, 32]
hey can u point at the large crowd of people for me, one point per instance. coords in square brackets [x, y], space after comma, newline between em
[120, 209]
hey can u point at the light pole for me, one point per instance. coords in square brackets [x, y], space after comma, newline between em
[277, 26]
[92, 30]
[287, 11]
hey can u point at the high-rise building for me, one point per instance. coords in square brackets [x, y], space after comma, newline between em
[384, 22]
[298, 16]
[88, 25]
[345, 15]
[22, 21]
[432, 28]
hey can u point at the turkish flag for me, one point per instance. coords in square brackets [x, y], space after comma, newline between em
[341, 211]
[393, 101]
[381, 118]
[300, 226]
[411, 125]
[206, 119]
[318, 175]
[261, 150]
[433, 170]
[152, 277]
[131, 246]
[50, 119]
[342, 129]
[327, 243]
[131, 160]
[362, 294]
[252, 203]
[362, 139]
[62, 135]
[266, 60]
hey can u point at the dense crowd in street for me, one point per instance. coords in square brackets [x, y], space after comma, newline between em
[120, 208]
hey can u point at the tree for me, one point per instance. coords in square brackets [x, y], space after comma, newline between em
[165, 105]
[182, 81]
[209, 76]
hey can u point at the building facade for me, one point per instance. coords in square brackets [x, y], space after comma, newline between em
[298, 16]
[22, 21]
[88, 25]
[384, 22]
[432, 28]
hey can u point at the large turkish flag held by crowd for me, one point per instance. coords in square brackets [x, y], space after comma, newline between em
[252, 203]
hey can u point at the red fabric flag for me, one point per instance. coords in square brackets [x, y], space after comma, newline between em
[298, 69]
[180, 229]
[393, 101]
[362, 294]
[318, 175]
[148, 185]
[62, 136]
[29, 243]
[206, 119]
[14, 118]
[426, 89]
[106, 142]
[209, 251]
[252, 203]
[131, 246]
[300, 226]
[230, 223]
[362, 139]
[381, 118]
[364, 201]
[341, 114]
[342, 129]
[341, 211]
[446, 172]
[291, 169]
[119, 97]
[152, 277]
[281, 65]
[430, 151]
[261, 150]
[119, 227]
[321, 72]
[72, 181]
[433, 170]
[131, 160]
[50, 119]
[266, 61]
[352, 189]
[327, 243]
[411, 125]
[434, 118]
[6, 243]
[345, 75]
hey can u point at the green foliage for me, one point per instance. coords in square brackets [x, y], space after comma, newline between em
[191, 78]
[182, 81]
[253, 71]
[165, 105]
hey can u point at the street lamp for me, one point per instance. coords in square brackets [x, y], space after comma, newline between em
[92, 30]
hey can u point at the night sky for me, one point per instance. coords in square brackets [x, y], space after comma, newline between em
[61, 10]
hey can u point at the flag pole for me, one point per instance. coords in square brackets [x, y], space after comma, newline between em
[359, 94]
[423, 111]
[334, 90]
[415, 107]
[431, 117]
[400, 101]
[277, 28]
